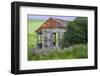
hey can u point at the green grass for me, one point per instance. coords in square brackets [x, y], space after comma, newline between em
[33, 25]
[74, 52]
[32, 40]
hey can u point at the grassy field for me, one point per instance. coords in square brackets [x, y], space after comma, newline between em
[33, 25]
[73, 52]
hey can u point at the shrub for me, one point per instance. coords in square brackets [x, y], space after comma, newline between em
[74, 52]
[76, 32]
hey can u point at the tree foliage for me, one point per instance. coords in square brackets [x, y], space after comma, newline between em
[76, 32]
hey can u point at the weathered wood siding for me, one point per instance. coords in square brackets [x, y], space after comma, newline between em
[47, 40]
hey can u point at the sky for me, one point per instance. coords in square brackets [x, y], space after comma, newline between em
[45, 17]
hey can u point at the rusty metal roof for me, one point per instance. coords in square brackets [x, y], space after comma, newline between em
[52, 23]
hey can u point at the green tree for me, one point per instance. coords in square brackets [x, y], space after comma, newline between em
[76, 32]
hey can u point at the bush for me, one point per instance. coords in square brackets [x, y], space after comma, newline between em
[78, 51]
[76, 32]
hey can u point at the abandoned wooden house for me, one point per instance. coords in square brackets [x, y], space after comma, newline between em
[50, 33]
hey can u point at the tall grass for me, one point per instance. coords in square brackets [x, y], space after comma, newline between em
[32, 40]
[74, 52]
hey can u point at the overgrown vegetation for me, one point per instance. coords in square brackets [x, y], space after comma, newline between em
[74, 52]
